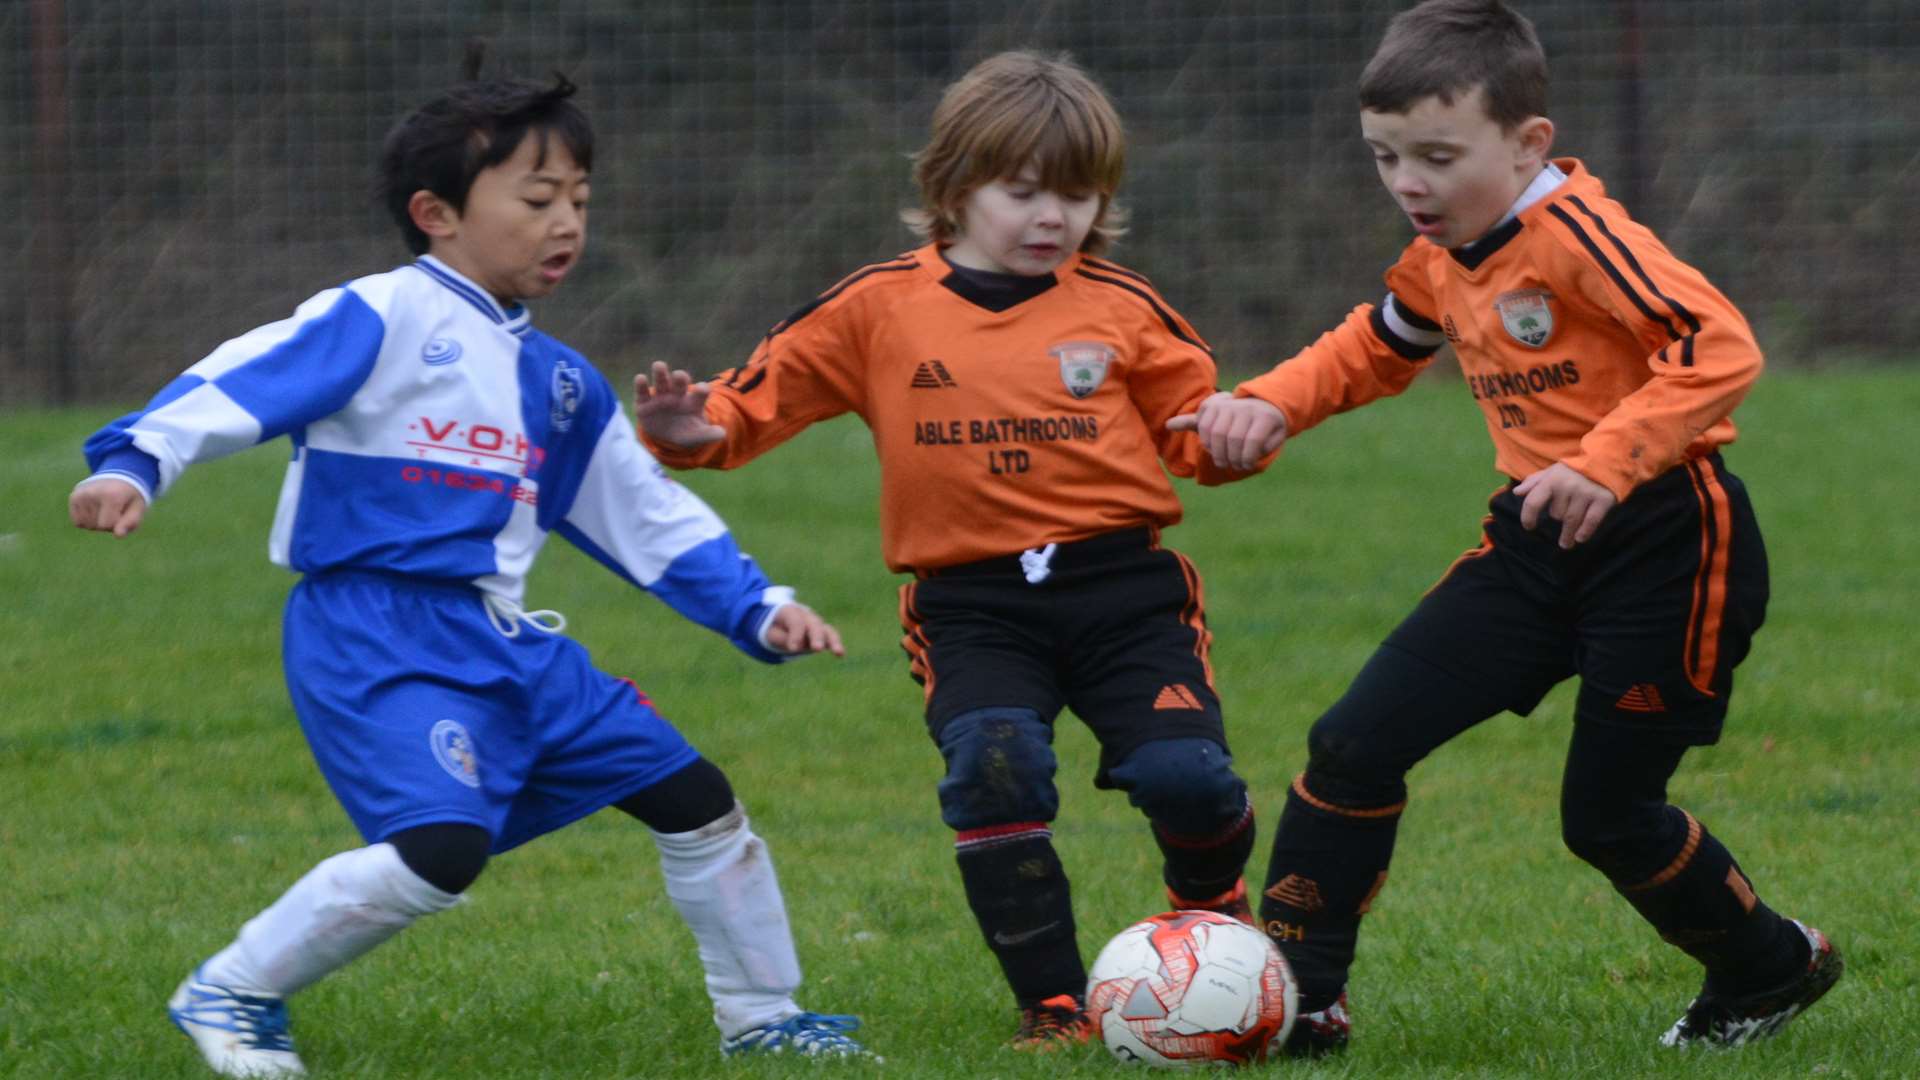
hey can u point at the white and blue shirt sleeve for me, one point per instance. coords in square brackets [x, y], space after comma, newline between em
[257, 387]
[436, 435]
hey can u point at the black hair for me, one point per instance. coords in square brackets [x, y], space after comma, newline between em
[1445, 48]
[469, 127]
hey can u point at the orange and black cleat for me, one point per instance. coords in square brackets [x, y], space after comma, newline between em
[1057, 1023]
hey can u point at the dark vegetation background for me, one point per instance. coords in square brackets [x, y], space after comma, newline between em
[177, 172]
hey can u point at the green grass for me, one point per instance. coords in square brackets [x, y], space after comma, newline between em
[155, 791]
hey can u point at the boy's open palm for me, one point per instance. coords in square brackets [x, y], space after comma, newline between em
[1237, 432]
[797, 629]
[671, 408]
[1577, 503]
[108, 505]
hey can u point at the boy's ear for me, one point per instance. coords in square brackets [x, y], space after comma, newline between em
[1535, 137]
[432, 215]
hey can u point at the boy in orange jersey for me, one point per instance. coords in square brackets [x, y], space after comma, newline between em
[1018, 389]
[1622, 550]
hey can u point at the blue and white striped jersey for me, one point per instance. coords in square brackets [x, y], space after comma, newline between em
[437, 435]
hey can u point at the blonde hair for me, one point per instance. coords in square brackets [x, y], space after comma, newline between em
[1015, 109]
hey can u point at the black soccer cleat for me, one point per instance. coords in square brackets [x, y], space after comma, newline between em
[1738, 1019]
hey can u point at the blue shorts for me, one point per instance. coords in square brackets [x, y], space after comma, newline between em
[420, 712]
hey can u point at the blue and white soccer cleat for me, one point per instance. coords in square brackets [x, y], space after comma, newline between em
[239, 1034]
[807, 1034]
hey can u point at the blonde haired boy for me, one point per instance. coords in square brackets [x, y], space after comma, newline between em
[1018, 389]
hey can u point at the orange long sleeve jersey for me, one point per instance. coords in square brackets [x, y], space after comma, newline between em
[997, 430]
[1582, 338]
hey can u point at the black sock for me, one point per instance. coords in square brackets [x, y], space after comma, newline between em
[1018, 891]
[1701, 903]
[1203, 867]
[1328, 863]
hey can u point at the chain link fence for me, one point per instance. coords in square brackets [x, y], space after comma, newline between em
[179, 172]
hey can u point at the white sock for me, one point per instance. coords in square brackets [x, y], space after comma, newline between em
[721, 879]
[339, 910]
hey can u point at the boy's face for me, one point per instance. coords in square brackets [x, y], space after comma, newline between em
[523, 227]
[1451, 168]
[1015, 226]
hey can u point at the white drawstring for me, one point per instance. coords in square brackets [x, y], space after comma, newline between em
[508, 615]
[1035, 563]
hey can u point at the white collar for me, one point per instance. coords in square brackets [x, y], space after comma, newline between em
[1543, 185]
[515, 320]
[1549, 178]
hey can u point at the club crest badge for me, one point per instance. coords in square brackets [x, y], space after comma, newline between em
[1527, 315]
[568, 388]
[1083, 365]
[453, 749]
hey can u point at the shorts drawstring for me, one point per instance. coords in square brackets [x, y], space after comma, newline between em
[1035, 563]
[507, 615]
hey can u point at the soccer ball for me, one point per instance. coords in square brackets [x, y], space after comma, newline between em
[1191, 988]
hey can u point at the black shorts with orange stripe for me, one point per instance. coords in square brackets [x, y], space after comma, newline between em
[1652, 613]
[1115, 631]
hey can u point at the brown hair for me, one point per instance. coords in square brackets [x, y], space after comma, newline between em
[1013, 109]
[1446, 48]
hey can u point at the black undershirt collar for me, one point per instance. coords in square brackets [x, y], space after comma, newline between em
[1472, 255]
[992, 290]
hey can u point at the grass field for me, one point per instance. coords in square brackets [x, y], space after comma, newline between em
[155, 790]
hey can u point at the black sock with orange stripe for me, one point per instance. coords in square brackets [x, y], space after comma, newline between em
[1329, 861]
[1201, 867]
[1700, 901]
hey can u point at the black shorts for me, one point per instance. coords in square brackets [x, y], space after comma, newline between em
[1116, 632]
[1652, 613]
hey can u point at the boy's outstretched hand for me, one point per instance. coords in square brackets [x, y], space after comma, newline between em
[797, 630]
[1577, 503]
[1237, 432]
[107, 505]
[671, 408]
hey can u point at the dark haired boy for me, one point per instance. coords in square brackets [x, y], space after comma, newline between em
[1607, 370]
[438, 438]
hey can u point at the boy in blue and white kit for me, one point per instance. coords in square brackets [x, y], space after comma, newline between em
[438, 438]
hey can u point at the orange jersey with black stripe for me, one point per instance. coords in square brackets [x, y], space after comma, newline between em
[1582, 338]
[997, 430]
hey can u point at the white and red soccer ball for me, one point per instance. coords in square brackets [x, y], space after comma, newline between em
[1191, 988]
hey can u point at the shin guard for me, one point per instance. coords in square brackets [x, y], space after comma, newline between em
[721, 880]
[1019, 894]
[1701, 903]
[342, 908]
[1329, 861]
[1200, 867]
